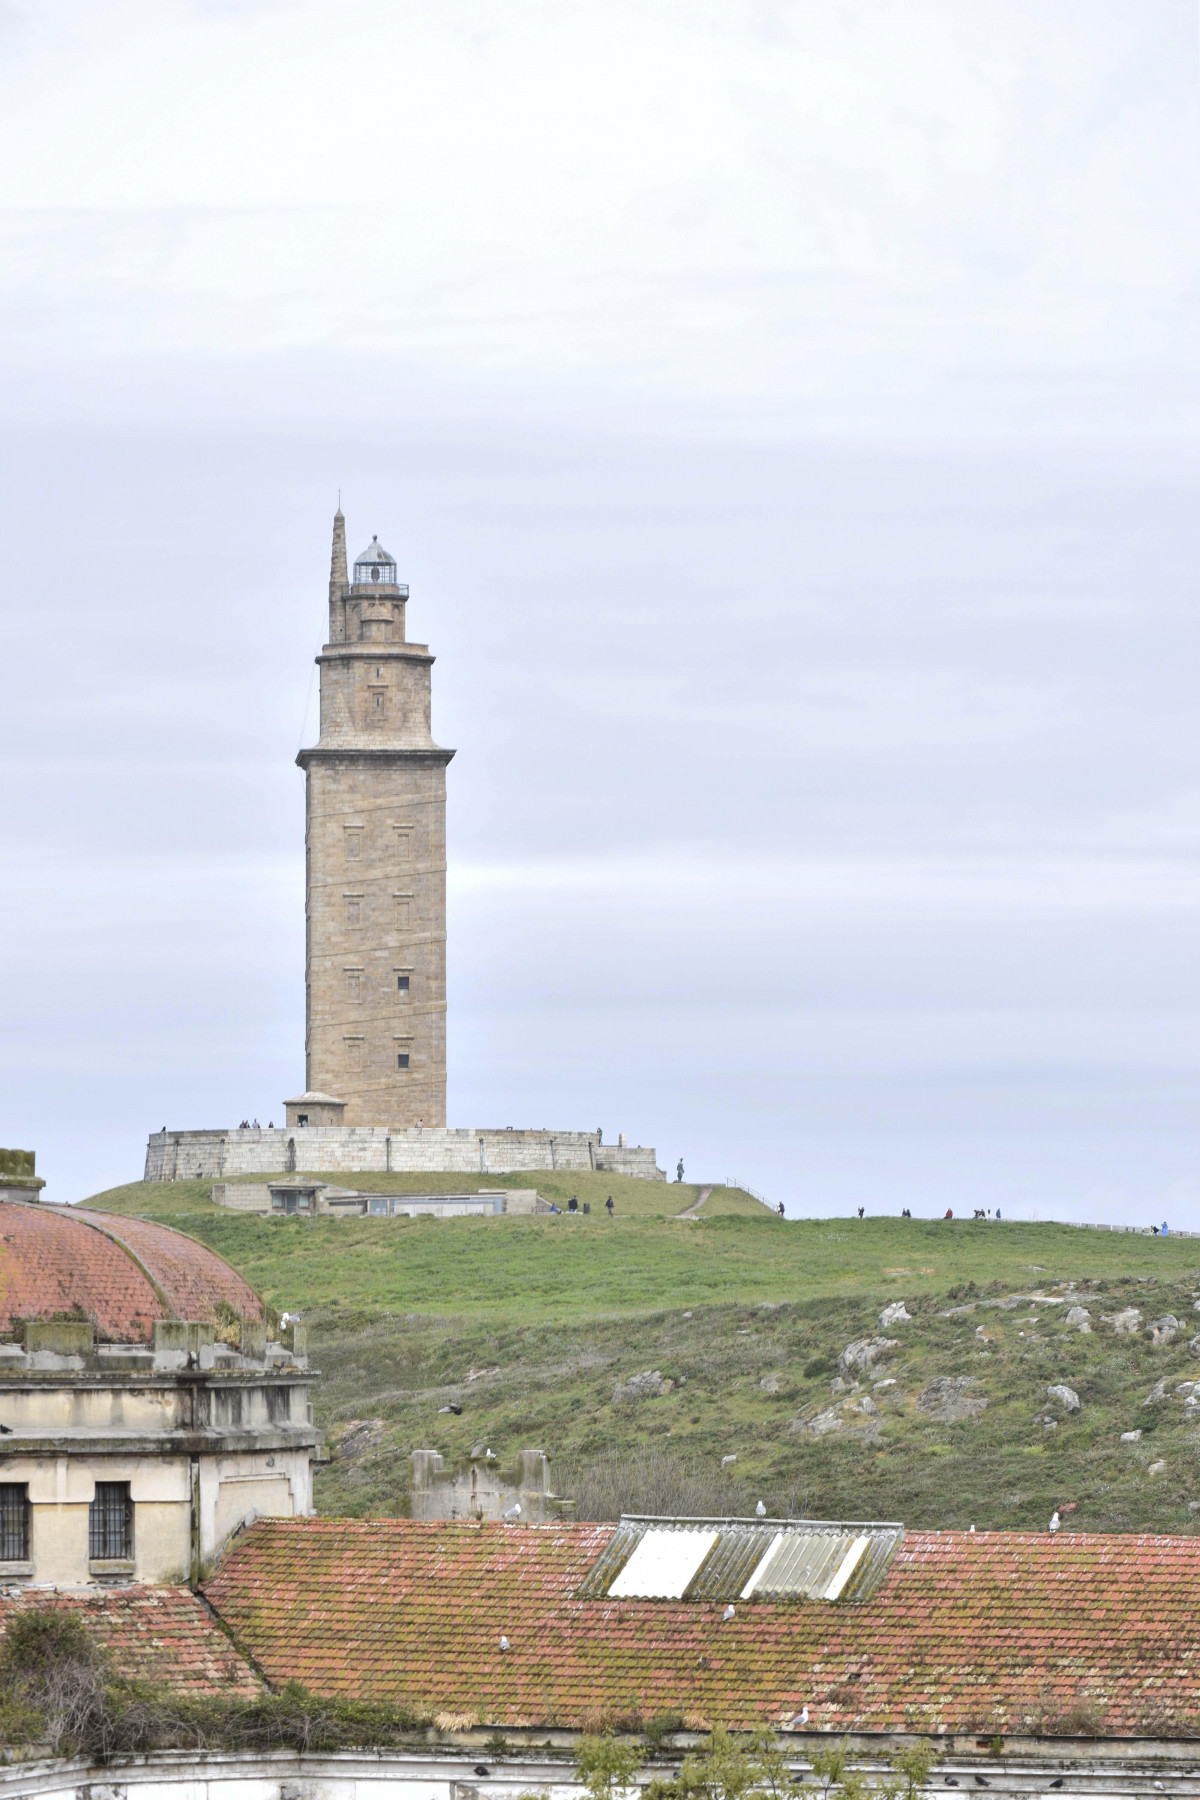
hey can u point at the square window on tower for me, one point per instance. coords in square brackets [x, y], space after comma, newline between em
[403, 983]
[402, 1059]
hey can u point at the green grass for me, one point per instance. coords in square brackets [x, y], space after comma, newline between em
[564, 1267]
[528, 1324]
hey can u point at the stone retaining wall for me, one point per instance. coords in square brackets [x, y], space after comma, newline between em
[365, 1149]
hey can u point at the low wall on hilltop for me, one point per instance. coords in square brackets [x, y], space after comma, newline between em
[374, 1149]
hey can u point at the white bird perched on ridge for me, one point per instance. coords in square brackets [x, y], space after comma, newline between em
[800, 1721]
[729, 1613]
[514, 1512]
[504, 1644]
[1055, 1521]
[760, 1511]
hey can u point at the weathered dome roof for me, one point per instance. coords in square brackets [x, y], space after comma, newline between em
[375, 553]
[121, 1273]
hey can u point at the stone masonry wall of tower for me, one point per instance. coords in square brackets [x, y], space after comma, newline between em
[376, 859]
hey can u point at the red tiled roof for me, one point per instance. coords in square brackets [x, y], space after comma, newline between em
[121, 1273]
[160, 1634]
[189, 1274]
[969, 1632]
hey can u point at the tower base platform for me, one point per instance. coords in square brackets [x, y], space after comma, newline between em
[365, 1149]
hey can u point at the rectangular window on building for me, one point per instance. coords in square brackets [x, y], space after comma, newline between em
[353, 911]
[354, 840]
[354, 986]
[377, 706]
[355, 1051]
[403, 983]
[14, 1522]
[403, 843]
[402, 1059]
[110, 1523]
[403, 905]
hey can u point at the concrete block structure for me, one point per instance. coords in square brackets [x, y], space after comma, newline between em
[478, 1488]
[19, 1179]
[375, 842]
[290, 1196]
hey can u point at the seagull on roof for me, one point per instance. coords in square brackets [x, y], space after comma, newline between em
[1055, 1521]
[729, 1613]
[760, 1511]
[800, 1721]
[514, 1512]
[504, 1644]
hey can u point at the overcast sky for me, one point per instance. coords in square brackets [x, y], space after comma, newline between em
[784, 412]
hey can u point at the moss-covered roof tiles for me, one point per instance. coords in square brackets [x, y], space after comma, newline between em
[983, 1632]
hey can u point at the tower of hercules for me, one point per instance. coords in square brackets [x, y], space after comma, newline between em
[376, 859]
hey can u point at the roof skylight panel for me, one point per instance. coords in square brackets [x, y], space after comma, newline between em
[662, 1565]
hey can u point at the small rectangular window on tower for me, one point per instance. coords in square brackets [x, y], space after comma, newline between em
[402, 1059]
[403, 905]
[403, 843]
[354, 986]
[353, 911]
[403, 983]
[376, 706]
[355, 1052]
[354, 842]
[403, 1051]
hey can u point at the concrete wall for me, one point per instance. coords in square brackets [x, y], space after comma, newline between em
[1096, 1769]
[255, 1197]
[363, 1149]
[477, 1488]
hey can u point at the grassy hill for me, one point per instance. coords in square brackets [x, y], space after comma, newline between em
[529, 1325]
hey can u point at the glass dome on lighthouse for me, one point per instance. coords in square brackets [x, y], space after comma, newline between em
[375, 567]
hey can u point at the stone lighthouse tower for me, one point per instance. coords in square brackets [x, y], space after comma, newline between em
[376, 860]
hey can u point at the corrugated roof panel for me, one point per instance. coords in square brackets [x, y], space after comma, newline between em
[804, 1563]
[761, 1565]
[662, 1565]
[846, 1568]
[725, 1569]
[612, 1559]
[738, 1559]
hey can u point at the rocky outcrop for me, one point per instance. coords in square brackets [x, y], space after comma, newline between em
[649, 1385]
[947, 1402]
[864, 1353]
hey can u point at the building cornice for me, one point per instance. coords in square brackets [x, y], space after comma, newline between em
[432, 755]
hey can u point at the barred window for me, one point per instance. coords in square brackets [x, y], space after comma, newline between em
[110, 1523]
[14, 1522]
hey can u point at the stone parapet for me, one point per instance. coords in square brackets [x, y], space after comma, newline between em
[367, 1149]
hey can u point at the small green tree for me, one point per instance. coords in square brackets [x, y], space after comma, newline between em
[729, 1766]
[607, 1765]
[912, 1769]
